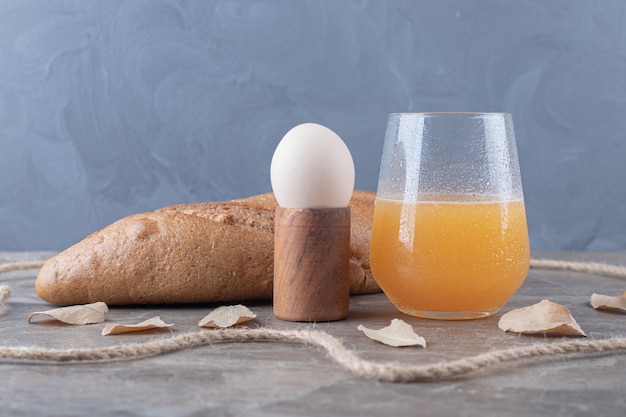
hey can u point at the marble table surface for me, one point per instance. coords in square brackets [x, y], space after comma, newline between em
[286, 379]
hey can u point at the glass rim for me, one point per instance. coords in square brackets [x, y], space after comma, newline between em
[435, 114]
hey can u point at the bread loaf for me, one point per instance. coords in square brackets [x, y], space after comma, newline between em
[188, 253]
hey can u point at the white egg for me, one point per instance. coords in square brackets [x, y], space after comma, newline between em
[312, 168]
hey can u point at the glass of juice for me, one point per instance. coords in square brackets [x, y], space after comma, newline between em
[449, 237]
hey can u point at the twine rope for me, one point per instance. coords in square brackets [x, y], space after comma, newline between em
[384, 371]
[347, 359]
[17, 266]
[589, 267]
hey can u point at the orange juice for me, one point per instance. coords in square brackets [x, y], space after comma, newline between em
[450, 258]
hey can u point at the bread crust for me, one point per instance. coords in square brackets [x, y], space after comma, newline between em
[188, 253]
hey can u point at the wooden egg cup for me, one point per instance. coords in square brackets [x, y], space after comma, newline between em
[311, 264]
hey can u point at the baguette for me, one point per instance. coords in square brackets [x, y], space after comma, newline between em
[189, 253]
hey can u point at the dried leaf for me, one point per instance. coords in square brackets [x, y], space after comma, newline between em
[5, 293]
[397, 334]
[153, 323]
[227, 316]
[79, 314]
[606, 302]
[543, 317]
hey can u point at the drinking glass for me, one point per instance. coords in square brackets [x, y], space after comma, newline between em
[449, 237]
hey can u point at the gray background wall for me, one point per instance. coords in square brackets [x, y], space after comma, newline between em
[109, 108]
